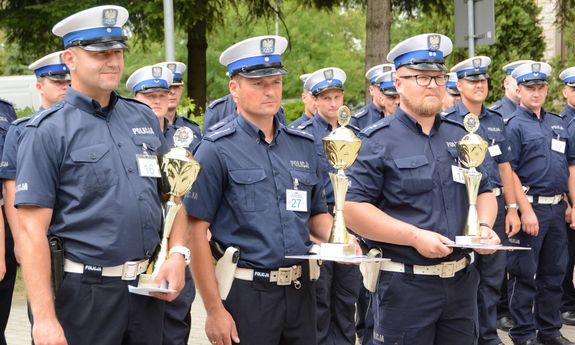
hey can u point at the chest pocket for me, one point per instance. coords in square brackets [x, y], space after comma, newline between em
[94, 167]
[152, 143]
[415, 173]
[534, 143]
[247, 188]
[560, 135]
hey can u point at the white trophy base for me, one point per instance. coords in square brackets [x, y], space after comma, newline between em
[146, 286]
[337, 249]
[467, 240]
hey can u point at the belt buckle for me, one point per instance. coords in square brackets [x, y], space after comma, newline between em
[284, 276]
[130, 270]
[447, 269]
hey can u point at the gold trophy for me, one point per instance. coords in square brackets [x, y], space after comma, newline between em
[181, 170]
[471, 151]
[341, 148]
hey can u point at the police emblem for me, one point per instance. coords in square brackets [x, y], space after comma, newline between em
[343, 115]
[328, 74]
[471, 122]
[157, 72]
[109, 17]
[183, 137]
[172, 67]
[267, 46]
[476, 64]
[433, 42]
[536, 68]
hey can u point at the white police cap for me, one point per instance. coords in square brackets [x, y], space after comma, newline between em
[568, 76]
[451, 84]
[150, 79]
[385, 83]
[373, 73]
[422, 52]
[513, 65]
[95, 29]
[532, 73]
[255, 57]
[177, 69]
[303, 78]
[325, 79]
[474, 68]
[51, 67]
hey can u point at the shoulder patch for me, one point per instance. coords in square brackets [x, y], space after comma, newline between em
[20, 120]
[298, 132]
[361, 113]
[220, 132]
[216, 102]
[188, 120]
[376, 126]
[304, 124]
[36, 119]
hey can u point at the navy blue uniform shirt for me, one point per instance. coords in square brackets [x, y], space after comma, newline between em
[492, 130]
[303, 118]
[7, 116]
[542, 169]
[505, 107]
[241, 191]
[408, 175]
[366, 116]
[223, 110]
[9, 154]
[568, 113]
[80, 160]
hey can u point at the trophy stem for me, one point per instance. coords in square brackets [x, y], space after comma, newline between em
[471, 233]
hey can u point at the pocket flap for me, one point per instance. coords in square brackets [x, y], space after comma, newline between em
[304, 177]
[152, 142]
[90, 154]
[248, 176]
[411, 162]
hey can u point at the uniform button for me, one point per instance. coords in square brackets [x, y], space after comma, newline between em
[149, 253]
[93, 156]
[140, 197]
[249, 178]
[119, 144]
[131, 170]
[412, 164]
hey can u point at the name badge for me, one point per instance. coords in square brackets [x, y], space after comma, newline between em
[494, 150]
[558, 145]
[148, 166]
[458, 174]
[296, 200]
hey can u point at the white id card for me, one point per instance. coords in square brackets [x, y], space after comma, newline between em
[458, 174]
[148, 166]
[494, 150]
[296, 200]
[558, 145]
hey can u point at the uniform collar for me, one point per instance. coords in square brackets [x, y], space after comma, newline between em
[321, 122]
[413, 125]
[373, 107]
[509, 101]
[568, 110]
[254, 131]
[462, 109]
[529, 114]
[88, 104]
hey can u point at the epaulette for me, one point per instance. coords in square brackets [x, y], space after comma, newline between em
[353, 128]
[132, 100]
[304, 124]
[216, 102]
[20, 120]
[360, 113]
[188, 120]
[4, 100]
[220, 132]
[36, 119]
[506, 121]
[299, 133]
[558, 115]
[496, 105]
[453, 122]
[369, 130]
[218, 125]
[494, 111]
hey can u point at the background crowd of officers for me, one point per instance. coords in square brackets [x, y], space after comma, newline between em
[74, 171]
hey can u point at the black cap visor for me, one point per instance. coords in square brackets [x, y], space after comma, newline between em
[453, 91]
[529, 82]
[56, 76]
[101, 44]
[261, 70]
[424, 65]
[390, 91]
[476, 76]
[327, 87]
[152, 89]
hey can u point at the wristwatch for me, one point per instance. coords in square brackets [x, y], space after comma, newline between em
[181, 250]
[512, 205]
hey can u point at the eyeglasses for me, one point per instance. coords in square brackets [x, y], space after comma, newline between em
[425, 80]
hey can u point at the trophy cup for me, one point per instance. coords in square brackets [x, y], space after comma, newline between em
[341, 148]
[471, 150]
[181, 170]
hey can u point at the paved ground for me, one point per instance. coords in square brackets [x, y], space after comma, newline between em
[18, 330]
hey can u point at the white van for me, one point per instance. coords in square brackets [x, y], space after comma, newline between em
[21, 91]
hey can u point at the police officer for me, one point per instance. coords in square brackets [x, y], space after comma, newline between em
[539, 144]
[152, 86]
[567, 76]
[452, 95]
[7, 258]
[174, 97]
[309, 107]
[339, 284]
[404, 199]
[78, 179]
[259, 192]
[472, 84]
[384, 98]
[508, 104]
